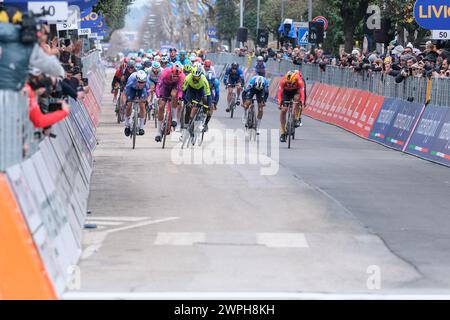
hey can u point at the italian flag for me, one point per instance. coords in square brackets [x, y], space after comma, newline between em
[400, 143]
[417, 148]
[440, 154]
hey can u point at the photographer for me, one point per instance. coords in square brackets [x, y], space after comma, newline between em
[44, 109]
[407, 70]
[73, 85]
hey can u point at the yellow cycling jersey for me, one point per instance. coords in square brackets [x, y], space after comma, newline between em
[202, 83]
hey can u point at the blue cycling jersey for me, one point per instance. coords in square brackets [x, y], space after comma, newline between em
[260, 69]
[215, 90]
[234, 77]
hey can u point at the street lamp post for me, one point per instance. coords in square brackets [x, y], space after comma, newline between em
[241, 24]
[257, 16]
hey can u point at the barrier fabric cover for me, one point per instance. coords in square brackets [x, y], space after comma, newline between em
[431, 138]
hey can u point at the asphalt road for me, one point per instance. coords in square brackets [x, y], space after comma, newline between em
[335, 214]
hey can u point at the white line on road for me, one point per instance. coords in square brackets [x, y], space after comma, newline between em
[94, 240]
[125, 219]
[141, 224]
[179, 238]
[282, 240]
[104, 223]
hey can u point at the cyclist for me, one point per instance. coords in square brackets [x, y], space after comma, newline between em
[183, 59]
[129, 70]
[193, 58]
[257, 86]
[136, 88]
[234, 77]
[139, 66]
[173, 55]
[214, 87]
[207, 65]
[164, 62]
[153, 76]
[291, 88]
[169, 87]
[260, 67]
[117, 78]
[196, 87]
[187, 68]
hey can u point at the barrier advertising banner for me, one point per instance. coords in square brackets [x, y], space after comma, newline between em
[404, 122]
[440, 150]
[368, 115]
[426, 131]
[385, 120]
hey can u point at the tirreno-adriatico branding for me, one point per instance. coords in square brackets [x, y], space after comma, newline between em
[433, 14]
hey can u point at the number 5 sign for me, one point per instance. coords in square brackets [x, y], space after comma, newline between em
[55, 10]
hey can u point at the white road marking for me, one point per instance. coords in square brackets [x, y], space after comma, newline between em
[141, 224]
[249, 295]
[104, 223]
[179, 238]
[282, 240]
[125, 219]
[93, 240]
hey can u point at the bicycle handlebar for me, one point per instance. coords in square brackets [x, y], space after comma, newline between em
[199, 103]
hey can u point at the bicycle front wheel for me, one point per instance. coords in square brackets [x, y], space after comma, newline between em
[135, 125]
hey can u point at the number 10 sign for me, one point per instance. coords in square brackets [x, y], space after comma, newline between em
[54, 10]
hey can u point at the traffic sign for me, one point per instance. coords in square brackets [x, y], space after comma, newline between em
[440, 34]
[263, 38]
[315, 32]
[323, 20]
[303, 36]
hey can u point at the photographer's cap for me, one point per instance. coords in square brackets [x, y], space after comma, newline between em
[398, 50]
[34, 71]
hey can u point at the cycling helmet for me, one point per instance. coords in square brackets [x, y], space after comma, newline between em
[176, 70]
[259, 83]
[131, 63]
[157, 58]
[126, 59]
[187, 68]
[165, 59]
[198, 59]
[234, 65]
[207, 63]
[179, 64]
[291, 77]
[156, 65]
[141, 76]
[147, 63]
[210, 76]
[182, 52]
[197, 72]
[193, 57]
[260, 59]
[139, 66]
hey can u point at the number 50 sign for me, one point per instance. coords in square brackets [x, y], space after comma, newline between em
[55, 10]
[441, 34]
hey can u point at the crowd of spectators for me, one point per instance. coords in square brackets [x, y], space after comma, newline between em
[399, 62]
[47, 71]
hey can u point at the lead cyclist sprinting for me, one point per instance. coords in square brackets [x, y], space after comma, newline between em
[137, 88]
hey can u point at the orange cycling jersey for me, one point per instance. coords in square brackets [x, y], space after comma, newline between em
[298, 86]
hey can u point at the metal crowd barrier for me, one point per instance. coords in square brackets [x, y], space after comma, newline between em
[410, 89]
[17, 139]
